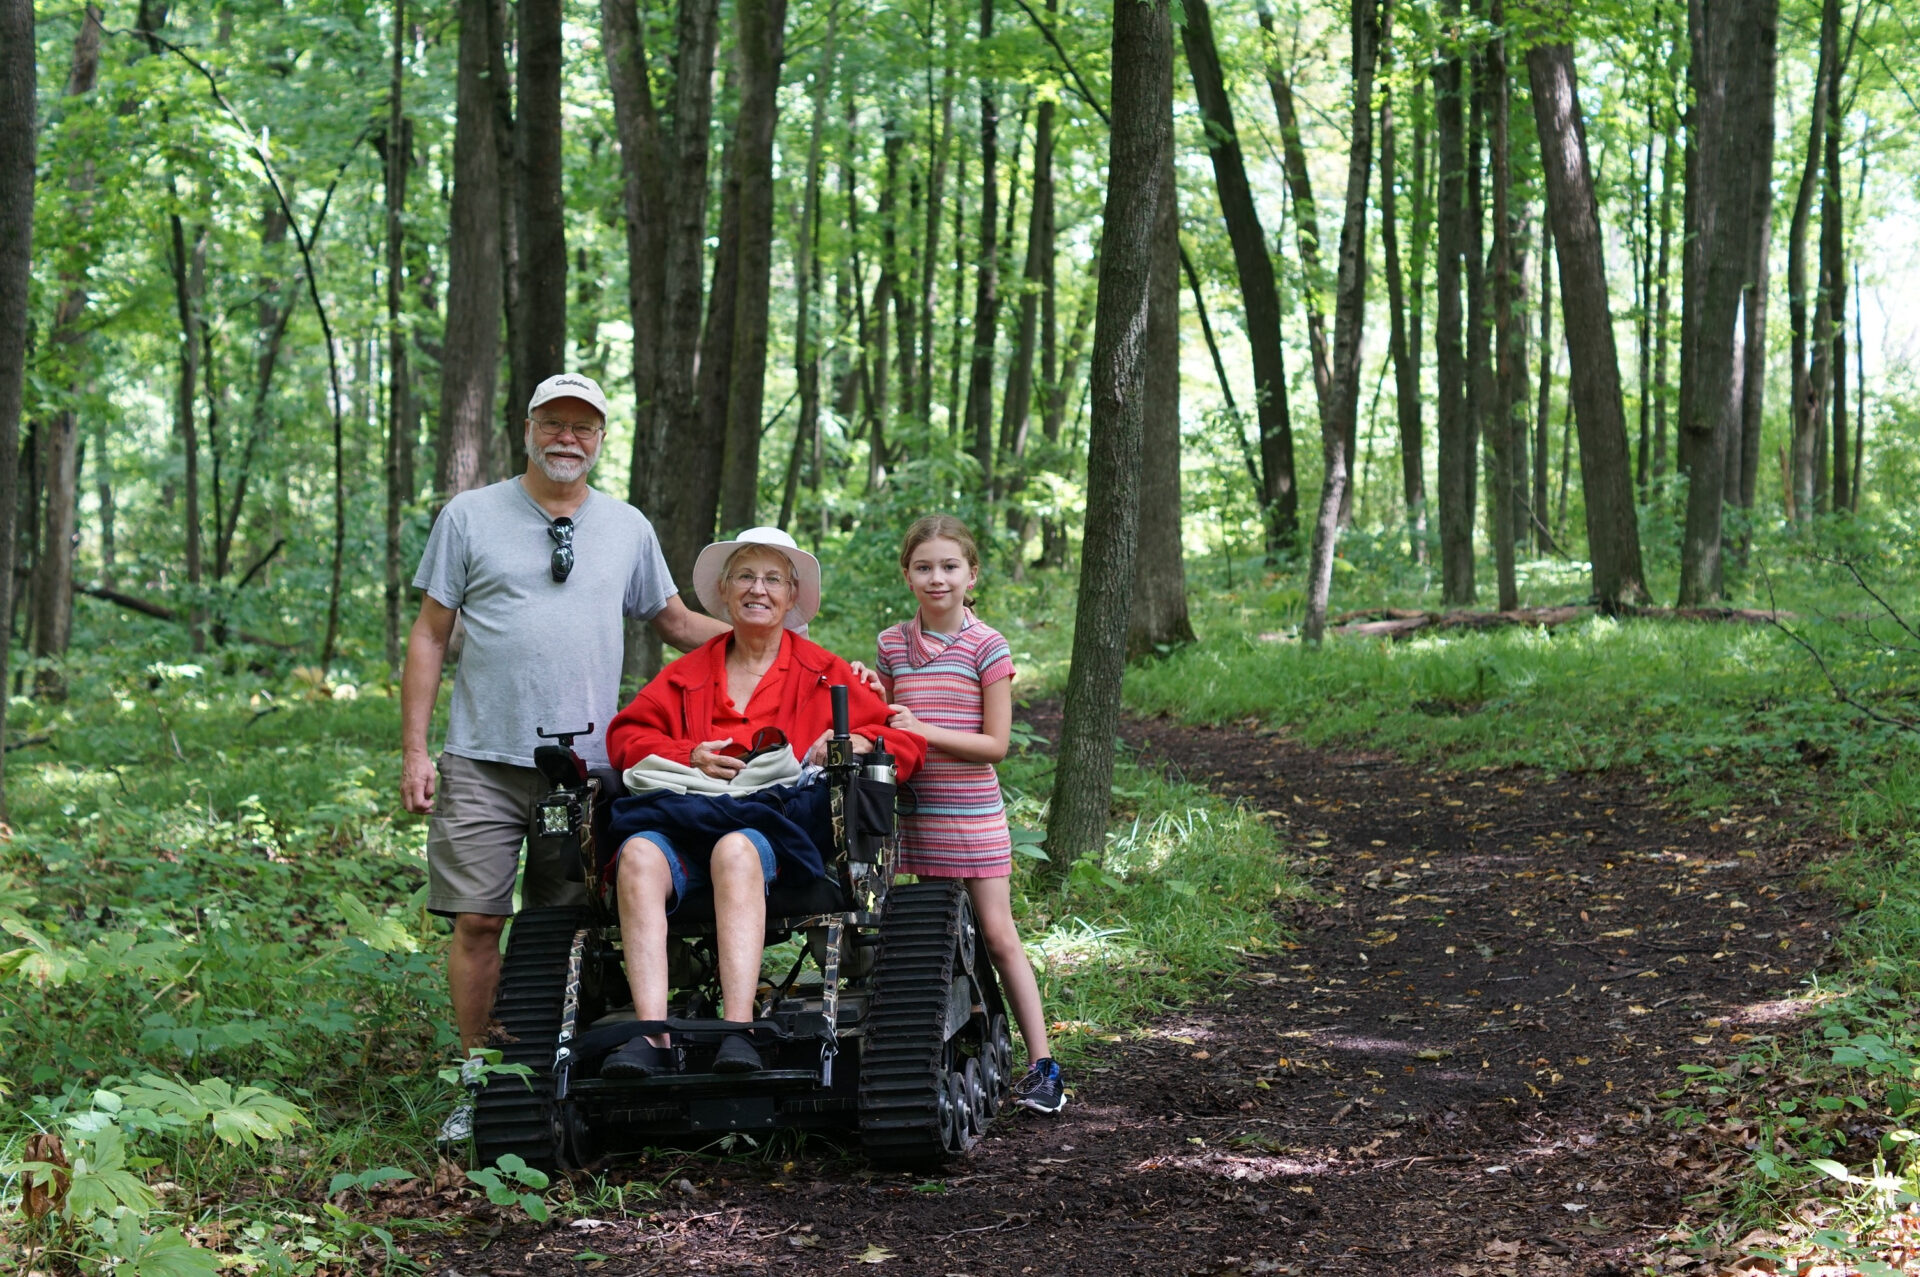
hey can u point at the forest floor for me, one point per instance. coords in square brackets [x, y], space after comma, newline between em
[1457, 1071]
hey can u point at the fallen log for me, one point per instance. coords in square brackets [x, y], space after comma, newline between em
[161, 613]
[1398, 623]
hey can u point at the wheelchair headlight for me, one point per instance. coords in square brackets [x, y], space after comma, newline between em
[555, 816]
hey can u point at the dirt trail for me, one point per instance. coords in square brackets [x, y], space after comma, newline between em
[1455, 1073]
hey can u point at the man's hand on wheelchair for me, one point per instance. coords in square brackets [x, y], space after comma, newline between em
[706, 757]
[417, 782]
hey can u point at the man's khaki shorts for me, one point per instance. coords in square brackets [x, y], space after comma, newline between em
[479, 823]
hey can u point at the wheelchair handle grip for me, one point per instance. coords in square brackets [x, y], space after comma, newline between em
[841, 720]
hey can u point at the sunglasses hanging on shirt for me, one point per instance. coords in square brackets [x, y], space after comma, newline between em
[561, 530]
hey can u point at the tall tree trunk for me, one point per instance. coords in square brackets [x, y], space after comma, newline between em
[1349, 312]
[59, 436]
[645, 190]
[1542, 535]
[1016, 411]
[761, 43]
[1833, 271]
[1306, 215]
[1613, 535]
[507, 445]
[1743, 457]
[540, 186]
[715, 377]
[1663, 303]
[1406, 373]
[398, 148]
[806, 274]
[1453, 427]
[19, 125]
[930, 257]
[1473, 246]
[1501, 420]
[1643, 285]
[1157, 608]
[103, 495]
[986, 296]
[1259, 295]
[1732, 73]
[1140, 137]
[680, 487]
[189, 268]
[1809, 395]
[469, 366]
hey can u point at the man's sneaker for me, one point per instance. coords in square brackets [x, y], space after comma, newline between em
[637, 1058]
[1041, 1089]
[472, 1070]
[457, 1129]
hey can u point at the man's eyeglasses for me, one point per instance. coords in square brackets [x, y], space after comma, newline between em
[561, 530]
[772, 580]
[554, 429]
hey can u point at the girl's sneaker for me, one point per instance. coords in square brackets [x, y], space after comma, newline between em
[1041, 1089]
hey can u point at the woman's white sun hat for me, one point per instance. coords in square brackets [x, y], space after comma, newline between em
[806, 570]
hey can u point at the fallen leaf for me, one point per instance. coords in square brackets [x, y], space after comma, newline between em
[873, 1254]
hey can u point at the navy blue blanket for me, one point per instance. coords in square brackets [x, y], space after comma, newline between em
[796, 820]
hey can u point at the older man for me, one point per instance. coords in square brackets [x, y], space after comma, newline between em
[542, 567]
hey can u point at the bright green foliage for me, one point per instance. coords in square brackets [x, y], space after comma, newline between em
[511, 1182]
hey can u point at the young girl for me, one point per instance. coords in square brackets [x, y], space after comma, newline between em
[949, 677]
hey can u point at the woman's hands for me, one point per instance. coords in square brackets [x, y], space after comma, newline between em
[817, 755]
[706, 757]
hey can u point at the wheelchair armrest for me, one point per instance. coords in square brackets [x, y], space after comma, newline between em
[611, 786]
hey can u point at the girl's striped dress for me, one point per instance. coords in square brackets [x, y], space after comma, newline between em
[958, 825]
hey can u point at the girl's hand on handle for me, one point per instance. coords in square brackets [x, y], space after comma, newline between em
[707, 758]
[903, 718]
[869, 677]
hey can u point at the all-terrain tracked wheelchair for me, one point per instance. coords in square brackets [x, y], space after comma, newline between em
[890, 1021]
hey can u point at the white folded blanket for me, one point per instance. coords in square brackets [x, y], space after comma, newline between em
[775, 767]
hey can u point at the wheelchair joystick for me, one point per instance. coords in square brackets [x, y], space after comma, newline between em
[840, 744]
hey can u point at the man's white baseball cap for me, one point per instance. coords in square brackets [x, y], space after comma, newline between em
[569, 385]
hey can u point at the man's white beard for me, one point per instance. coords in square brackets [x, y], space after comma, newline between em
[561, 469]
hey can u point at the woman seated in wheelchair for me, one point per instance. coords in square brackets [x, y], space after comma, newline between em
[720, 756]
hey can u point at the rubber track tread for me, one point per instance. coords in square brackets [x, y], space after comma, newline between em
[900, 1070]
[510, 1117]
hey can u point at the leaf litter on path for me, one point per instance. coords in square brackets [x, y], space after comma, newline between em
[1468, 1088]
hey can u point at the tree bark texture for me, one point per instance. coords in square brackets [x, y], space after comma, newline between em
[1349, 313]
[1808, 395]
[1732, 72]
[59, 436]
[1306, 215]
[1593, 385]
[540, 331]
[1140, 137]
[1406, 372]
[189, 274]
[469, 365]
[1455, 431]
[18, 127]
[398, 148]
[645, 189]
[1833, 275]
[1017, 411]
[1157, 616]
[1259, 295]
[986, 294]
[760, 43]
[806, 274]
[1501, 417]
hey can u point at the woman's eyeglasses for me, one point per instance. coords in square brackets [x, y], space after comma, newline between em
[772, 580]
[561, 530]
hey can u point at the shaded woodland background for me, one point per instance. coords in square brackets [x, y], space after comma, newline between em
[1472, 285]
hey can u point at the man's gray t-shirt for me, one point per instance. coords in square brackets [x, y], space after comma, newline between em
[538, 652]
